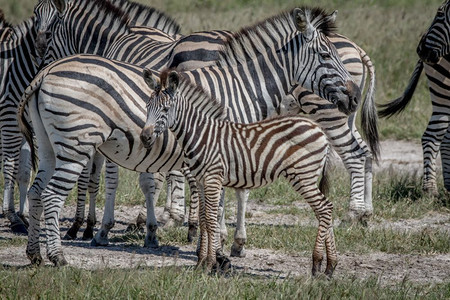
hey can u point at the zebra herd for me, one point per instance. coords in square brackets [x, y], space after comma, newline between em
[86, 80]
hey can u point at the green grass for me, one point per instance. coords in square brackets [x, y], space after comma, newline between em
[184, 283]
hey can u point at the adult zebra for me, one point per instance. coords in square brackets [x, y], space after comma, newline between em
[72, 88]
[115, 40]
[345, 138]
[434, 53]
[19, 54]
[223, 153]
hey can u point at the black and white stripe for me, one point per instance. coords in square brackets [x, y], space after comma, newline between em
[222, 153]
[434, 56]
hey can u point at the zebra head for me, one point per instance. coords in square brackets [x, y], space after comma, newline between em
[159, 112]
[46, 11]
[435, 43]
[319, 67]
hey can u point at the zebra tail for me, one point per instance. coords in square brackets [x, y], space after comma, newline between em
[324, 183]
[369, 117]
[399, 104]
[24, 124]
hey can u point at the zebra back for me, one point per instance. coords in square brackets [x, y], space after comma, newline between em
[435, 43]
[146, 16]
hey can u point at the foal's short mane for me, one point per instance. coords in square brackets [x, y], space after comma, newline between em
[198, 97]
[249, 42]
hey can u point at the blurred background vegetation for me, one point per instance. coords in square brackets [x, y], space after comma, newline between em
[388, 30]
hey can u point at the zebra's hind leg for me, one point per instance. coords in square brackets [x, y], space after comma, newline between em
[193, 205]
[240, 234]
[445, 159]
[431, 142]
[23, 179]
[111, 183]
[53, 196]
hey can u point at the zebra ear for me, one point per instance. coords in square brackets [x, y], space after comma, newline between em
[60, 5]
[173, 79]
[300, 19]
[331, 18]
[151, 80]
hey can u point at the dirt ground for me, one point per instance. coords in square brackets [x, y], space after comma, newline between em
[389, 268]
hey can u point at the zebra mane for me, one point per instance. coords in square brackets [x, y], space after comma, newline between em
[272, 33]
[197, 97]
[3, 22]
[105, 11]
[143, 15]
[23, 28]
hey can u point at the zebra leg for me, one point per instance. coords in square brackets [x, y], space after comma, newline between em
[94, 183]
[81, 204]
[368, 175]
[111, 183]
[431, 142]
[23, 179]
[240, 235]
[212, 191]
[445, 159]
[53, 196]
[175, 190]
[11, 144]
[323, 210]
[148, 187]
[193, 205]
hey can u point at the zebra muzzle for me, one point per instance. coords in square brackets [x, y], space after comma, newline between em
[147, 136]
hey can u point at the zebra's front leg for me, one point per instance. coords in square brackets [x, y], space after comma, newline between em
[93, 188]
[431, 143]
[111, 183]
[240, 235]
[212, 192]
[11, 144]
[83, 180]
[147, 185]
[175, 190]
[193, 205]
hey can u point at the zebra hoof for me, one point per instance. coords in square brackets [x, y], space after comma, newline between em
[19, 228]
[223, 265]
[192, 232]
[88, 233]
[99, 243]
[71, 234]
[24, 220]
[151, 242]
[134, 228]
[35, 259]
[237, 249]
[59, 260]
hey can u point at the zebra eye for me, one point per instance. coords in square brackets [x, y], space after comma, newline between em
[325, 55]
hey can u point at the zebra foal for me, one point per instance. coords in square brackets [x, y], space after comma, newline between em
[433, 51]
[222, 153]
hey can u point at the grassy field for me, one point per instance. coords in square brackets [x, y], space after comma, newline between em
[389, 31]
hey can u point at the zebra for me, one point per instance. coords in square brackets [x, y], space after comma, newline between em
[341, 129]
[22, 61]
[433, 50]
[70, 89]
[435, 43]
[122, 44]
[222, 153]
